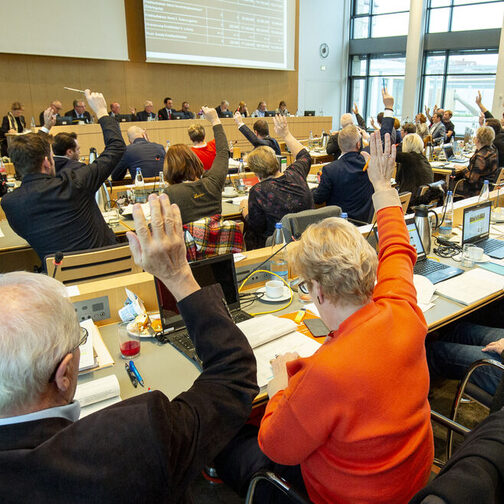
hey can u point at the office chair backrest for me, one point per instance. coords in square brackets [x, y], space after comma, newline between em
[94, 264]
[405, 198]
[500, 177]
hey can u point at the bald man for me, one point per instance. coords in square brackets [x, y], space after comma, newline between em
[56, 107]
[140, 153]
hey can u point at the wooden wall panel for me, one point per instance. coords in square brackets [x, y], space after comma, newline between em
[36, 80]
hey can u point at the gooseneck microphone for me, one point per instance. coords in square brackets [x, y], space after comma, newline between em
[58, 259]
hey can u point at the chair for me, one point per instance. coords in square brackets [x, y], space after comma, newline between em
[473, 392]
[499, 180]
[279, 483]
[405, 198]
[293, 224]
[94, 264]
[431, 194]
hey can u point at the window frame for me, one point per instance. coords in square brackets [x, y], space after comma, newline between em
[369, 15]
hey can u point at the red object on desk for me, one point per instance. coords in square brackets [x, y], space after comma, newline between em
[130, 348]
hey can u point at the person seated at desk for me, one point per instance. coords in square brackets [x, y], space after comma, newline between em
[282, 109]
[483, 165]
[204, 150]
[496, 125]
[340, 423]
[13, 122]
[79, 113]
[260, 111]
[146, 114]
[260, 135]
[345, 120]
[437, 131]
[140, 153]
[115, 111]
[144, 449]
[66, 151]
[344, 182]
[166, 113]
[58, 212]
[223, 109]
[187, 114]
[197, 192]
[277, 193]
[242, 108]
[56, 108]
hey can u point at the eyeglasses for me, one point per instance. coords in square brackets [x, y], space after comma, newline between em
[303, 287]
[82, 341]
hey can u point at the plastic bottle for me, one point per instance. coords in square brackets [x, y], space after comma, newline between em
[310, 140]
[32, 123]
[485, 192]
[278, 263]
[139, 180]
[167, 145]
[344, 215]
[162, 183]
[447, 224]
[241, 175]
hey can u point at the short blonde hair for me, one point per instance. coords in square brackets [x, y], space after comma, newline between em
[412, 143]
[348, 138]
[485, 135]
[263, 162]
[335, 254]
[196, 132]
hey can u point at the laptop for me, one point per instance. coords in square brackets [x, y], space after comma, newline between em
[218, 269]
[435, 271]
[450, 155]
[476, 230]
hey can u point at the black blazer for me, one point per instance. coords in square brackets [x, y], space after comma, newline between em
[144, 116]
[163, 114]
[256, 141]
[145, 449]
[59, 213]
[73, 115]
[148, 156]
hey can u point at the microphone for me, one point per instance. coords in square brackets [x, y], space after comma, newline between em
[58, 259]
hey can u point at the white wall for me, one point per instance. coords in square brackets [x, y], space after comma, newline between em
[323, 21]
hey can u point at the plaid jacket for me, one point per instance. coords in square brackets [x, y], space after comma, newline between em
[211, 236]
[482, 166]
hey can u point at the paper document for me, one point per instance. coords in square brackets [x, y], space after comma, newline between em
[97, 394]
[472, 286]
[128, 210]
[87, 358]
[260, 330]
[98, 350]
[1, 233]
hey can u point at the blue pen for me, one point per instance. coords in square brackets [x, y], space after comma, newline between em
[135, 371]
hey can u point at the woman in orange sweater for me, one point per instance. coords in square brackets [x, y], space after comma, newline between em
[354, 416]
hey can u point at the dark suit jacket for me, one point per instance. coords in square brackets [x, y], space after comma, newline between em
[256, 141]
[5, 129]
[146, 449]
[61, 162]
[499, 141]
[148, 156]
[41, 117]
[226, 113]
[143, 116]
[343, 183]
[59, 213]
[163, 114]
[414, 171]
[187, 114]
[73, 115]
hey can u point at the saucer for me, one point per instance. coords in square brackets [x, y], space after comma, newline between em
[284, 297]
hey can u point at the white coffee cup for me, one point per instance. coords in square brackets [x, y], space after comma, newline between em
[274, 289]
[229, 190]
[476, 254]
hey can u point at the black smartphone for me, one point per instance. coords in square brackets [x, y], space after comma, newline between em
[317, 327]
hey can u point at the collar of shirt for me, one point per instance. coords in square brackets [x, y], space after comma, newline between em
[68, 411]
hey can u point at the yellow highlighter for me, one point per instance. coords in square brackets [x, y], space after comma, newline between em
[300, 316]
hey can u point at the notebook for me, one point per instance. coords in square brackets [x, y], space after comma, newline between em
[433, 270]
[218, 269]
[476, 230]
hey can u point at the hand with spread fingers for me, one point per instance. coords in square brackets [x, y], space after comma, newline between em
[381, 162]
[162, 251]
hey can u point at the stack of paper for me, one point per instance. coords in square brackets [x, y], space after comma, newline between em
[94, 354]
[97, 394]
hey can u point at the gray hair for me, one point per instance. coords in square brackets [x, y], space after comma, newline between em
[134, 132]
[346, 120]
[348, 138]
[39, 327]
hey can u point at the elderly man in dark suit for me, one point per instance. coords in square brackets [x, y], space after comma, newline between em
[57, 211]
[144, 449]
[79, 112]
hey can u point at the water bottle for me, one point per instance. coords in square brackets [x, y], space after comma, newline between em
[139, 180]
[485, 192]
[32, 123]
[447, 224]
[241, 174]
[278, 263]
[167, 145]
[310, 140]
[231, 149]
[162, 183]
[344, 215]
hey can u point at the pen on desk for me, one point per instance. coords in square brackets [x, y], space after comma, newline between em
[131, 375]
[137, 374]
[366, 166]
[73, 89]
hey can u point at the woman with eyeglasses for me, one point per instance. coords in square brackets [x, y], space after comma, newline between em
[13, 122]
[351, 423]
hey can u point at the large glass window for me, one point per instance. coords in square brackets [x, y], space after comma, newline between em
[368, 75]
[462, 15]
[379, 18]
[451, 80]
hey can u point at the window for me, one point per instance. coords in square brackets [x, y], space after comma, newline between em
[368, 74]
[461, 15]
[451, 79]
[379, 18]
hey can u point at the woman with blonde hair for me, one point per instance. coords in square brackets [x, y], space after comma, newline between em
[421, 126]
[198, 193]
[354, 431]
[242, 108]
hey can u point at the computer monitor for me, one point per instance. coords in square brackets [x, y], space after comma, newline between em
[269, 113]
[124, 117]
[62, 120]
[448, 150]
[226, 113]
[309, 113]
[476, 222]
[177, 115]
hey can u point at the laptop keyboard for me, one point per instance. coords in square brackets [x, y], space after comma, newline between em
[491, 245]
[426, 267]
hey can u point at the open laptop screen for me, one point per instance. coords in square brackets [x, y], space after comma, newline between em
[415, 239]
[219, 269]
[476, 224]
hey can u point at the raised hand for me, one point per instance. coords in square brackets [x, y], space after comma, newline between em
[478, 98]
[49, 118]
[238, 118]
[355, 109]
[388, 100]
[281, 126]
[211, 115]
[97, 103]
[381, 162]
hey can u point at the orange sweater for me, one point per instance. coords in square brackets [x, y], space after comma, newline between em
[355, 414]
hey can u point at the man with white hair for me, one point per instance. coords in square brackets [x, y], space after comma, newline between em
[344, 181]
[144, 449]
[345, 120]
[223, 109]
[140, 153]
[146, 114]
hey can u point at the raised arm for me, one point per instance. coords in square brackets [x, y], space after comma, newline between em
[247, 132]
[483, 109]
[282, 132]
